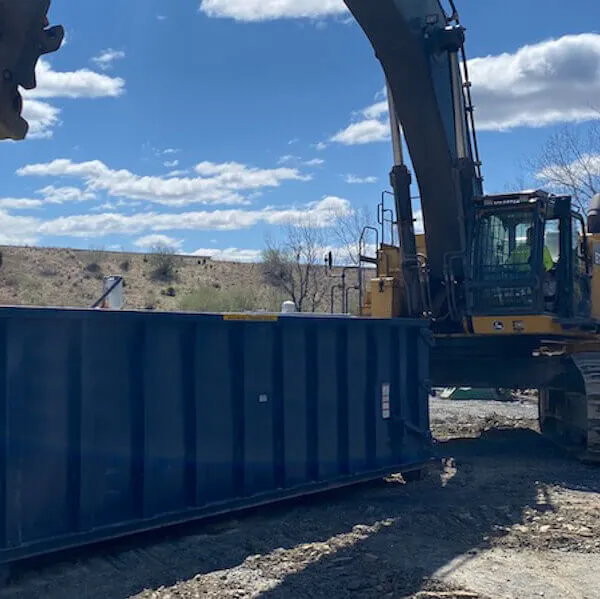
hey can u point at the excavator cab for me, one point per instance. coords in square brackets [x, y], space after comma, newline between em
[529, 256]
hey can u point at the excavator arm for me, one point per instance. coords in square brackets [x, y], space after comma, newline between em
[419, 46]
[24, 38]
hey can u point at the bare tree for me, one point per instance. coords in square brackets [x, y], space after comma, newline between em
[570, 163]
[347, 229]
[296, 265]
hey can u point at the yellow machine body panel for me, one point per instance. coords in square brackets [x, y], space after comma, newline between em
[388, 261]
[594, 249]
[535, 324]
[385, 297]
[421, 244]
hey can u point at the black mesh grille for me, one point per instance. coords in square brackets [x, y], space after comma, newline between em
[502, 271]
[507, 298]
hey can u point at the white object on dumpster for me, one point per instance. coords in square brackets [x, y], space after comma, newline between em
[115, 299]
[288, 307]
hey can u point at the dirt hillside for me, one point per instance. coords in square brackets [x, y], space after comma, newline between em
[73, 278]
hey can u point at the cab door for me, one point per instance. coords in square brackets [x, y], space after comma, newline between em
[580, 268]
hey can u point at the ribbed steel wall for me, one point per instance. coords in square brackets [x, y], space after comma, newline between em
[119, 422]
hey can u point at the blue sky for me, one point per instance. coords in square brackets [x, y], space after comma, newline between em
[207, 124]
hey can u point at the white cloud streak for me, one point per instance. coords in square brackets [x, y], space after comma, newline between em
[158, 228]
[178, 173]
[355, 180]
[583, 171]
[150, 241]
[267, 10]
[296, 160]
[61, 195]
[364, 132]
[19, 204]
[107, 58]
[30, 230]
[230, 254]
[214, 183]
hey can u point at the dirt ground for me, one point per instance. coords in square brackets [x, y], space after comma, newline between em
[501, 515]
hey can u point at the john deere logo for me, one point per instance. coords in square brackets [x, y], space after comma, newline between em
[498, 325]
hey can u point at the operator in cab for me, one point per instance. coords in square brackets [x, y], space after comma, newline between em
[520, 258]
[522, 254]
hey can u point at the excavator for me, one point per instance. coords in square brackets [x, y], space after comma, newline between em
[509, 283]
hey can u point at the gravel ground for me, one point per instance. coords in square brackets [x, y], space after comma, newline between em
[501, 515]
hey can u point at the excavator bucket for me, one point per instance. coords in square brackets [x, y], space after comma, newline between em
[24, 37]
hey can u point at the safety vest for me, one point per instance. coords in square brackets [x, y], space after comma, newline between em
[520, 258]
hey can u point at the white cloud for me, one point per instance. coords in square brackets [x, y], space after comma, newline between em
[554, 81]
[314, 162]
[321, 146]
[230, 254]
[18, 230]
[239, 176]
[106, 206]
[215, 183]
[178, 173]
[19, 204]
[60, 195]
[150, 241]
[296, 160]
[364, 132]
[171, 163]
[82, 83]
[541, 84]
[322, 213]
[355, 180]
[106, 58]
[171, 151]
[376, 111]
[30, 230]
[581, 170]
[264, 10]
[42, 118]
[153, 227]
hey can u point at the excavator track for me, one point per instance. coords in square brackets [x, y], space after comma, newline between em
[588, 365]
[570, 416]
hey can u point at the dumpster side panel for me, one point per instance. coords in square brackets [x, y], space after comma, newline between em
[117, 422]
